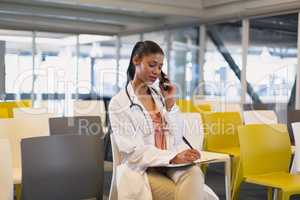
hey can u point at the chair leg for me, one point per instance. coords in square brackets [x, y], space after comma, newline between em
[285, 196]
[237, 178]
[270, 193]
[279, 194]
[204, 168]
[18, 191]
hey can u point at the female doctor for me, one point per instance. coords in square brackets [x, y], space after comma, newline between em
[147, 129]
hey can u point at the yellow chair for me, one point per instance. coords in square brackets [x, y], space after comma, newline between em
[188, 106]
[185, 105]
[6, 107]
[221, 136]
[4, 113]
[268, 163]
[202, 108]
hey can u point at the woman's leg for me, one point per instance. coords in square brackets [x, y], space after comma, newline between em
[162, 187]
[189, 183]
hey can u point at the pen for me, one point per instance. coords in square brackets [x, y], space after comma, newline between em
[187, 142]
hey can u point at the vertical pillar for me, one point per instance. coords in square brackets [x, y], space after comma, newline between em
[245, 45]
[2, 70]
[297, 105]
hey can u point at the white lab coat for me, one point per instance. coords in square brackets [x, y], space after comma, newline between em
[134, 135]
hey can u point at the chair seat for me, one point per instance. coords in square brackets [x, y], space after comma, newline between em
[282, 180]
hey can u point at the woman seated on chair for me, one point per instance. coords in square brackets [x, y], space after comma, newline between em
[147, 129]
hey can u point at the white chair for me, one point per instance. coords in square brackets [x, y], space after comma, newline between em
[7, 131]
[15, 130]
[193, 129]
[260, 117]
[296, 162]
[6, 172]
[113, 194]
[90, 108]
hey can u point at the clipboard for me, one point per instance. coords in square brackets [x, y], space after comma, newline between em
[199, 161]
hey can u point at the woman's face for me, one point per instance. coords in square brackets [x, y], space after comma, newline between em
[148, 67]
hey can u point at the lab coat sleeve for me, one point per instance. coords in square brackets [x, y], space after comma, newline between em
[130, 141]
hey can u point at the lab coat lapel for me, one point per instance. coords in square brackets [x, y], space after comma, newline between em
[142, 117]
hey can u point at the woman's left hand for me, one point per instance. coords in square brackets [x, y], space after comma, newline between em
[169, 95]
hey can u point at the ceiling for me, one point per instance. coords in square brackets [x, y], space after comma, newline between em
[111, 17]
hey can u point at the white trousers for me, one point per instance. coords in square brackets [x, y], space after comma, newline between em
[189, 184]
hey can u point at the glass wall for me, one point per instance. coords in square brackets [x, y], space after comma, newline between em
[71, 64]
[272, 57]
[18, 61]
[105, 67]
[127, 44]
[61, 66]
[223, 45]
[55, 66]
[184, 65]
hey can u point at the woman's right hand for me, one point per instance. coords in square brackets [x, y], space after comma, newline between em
[186, 156]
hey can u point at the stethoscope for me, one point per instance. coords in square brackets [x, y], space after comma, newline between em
[132, 104]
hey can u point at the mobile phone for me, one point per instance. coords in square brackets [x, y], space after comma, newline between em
[164, 81]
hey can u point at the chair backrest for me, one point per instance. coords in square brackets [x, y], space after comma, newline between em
[6, 174]
[8, 106]
[185, 105]
[5, 113]
[62, 167]
[90, 108]
[8, 131]
[221, 129]
[193, 129]
[264, 148]
[189, 106]
[296, 162]
[202, 108]
[113, 194]
[292, 116]
[17, 129]
[296, 131]
[81, 125]
[16, 104]
[260, 117]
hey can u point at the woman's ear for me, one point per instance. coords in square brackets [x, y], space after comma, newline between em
[136, 60]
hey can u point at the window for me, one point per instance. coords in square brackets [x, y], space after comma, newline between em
[127, 44]
[55, 63]
[184, 66]
[272, 57]
[224, 42]
[18, 61]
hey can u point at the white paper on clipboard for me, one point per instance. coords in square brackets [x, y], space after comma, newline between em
[202, 160]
